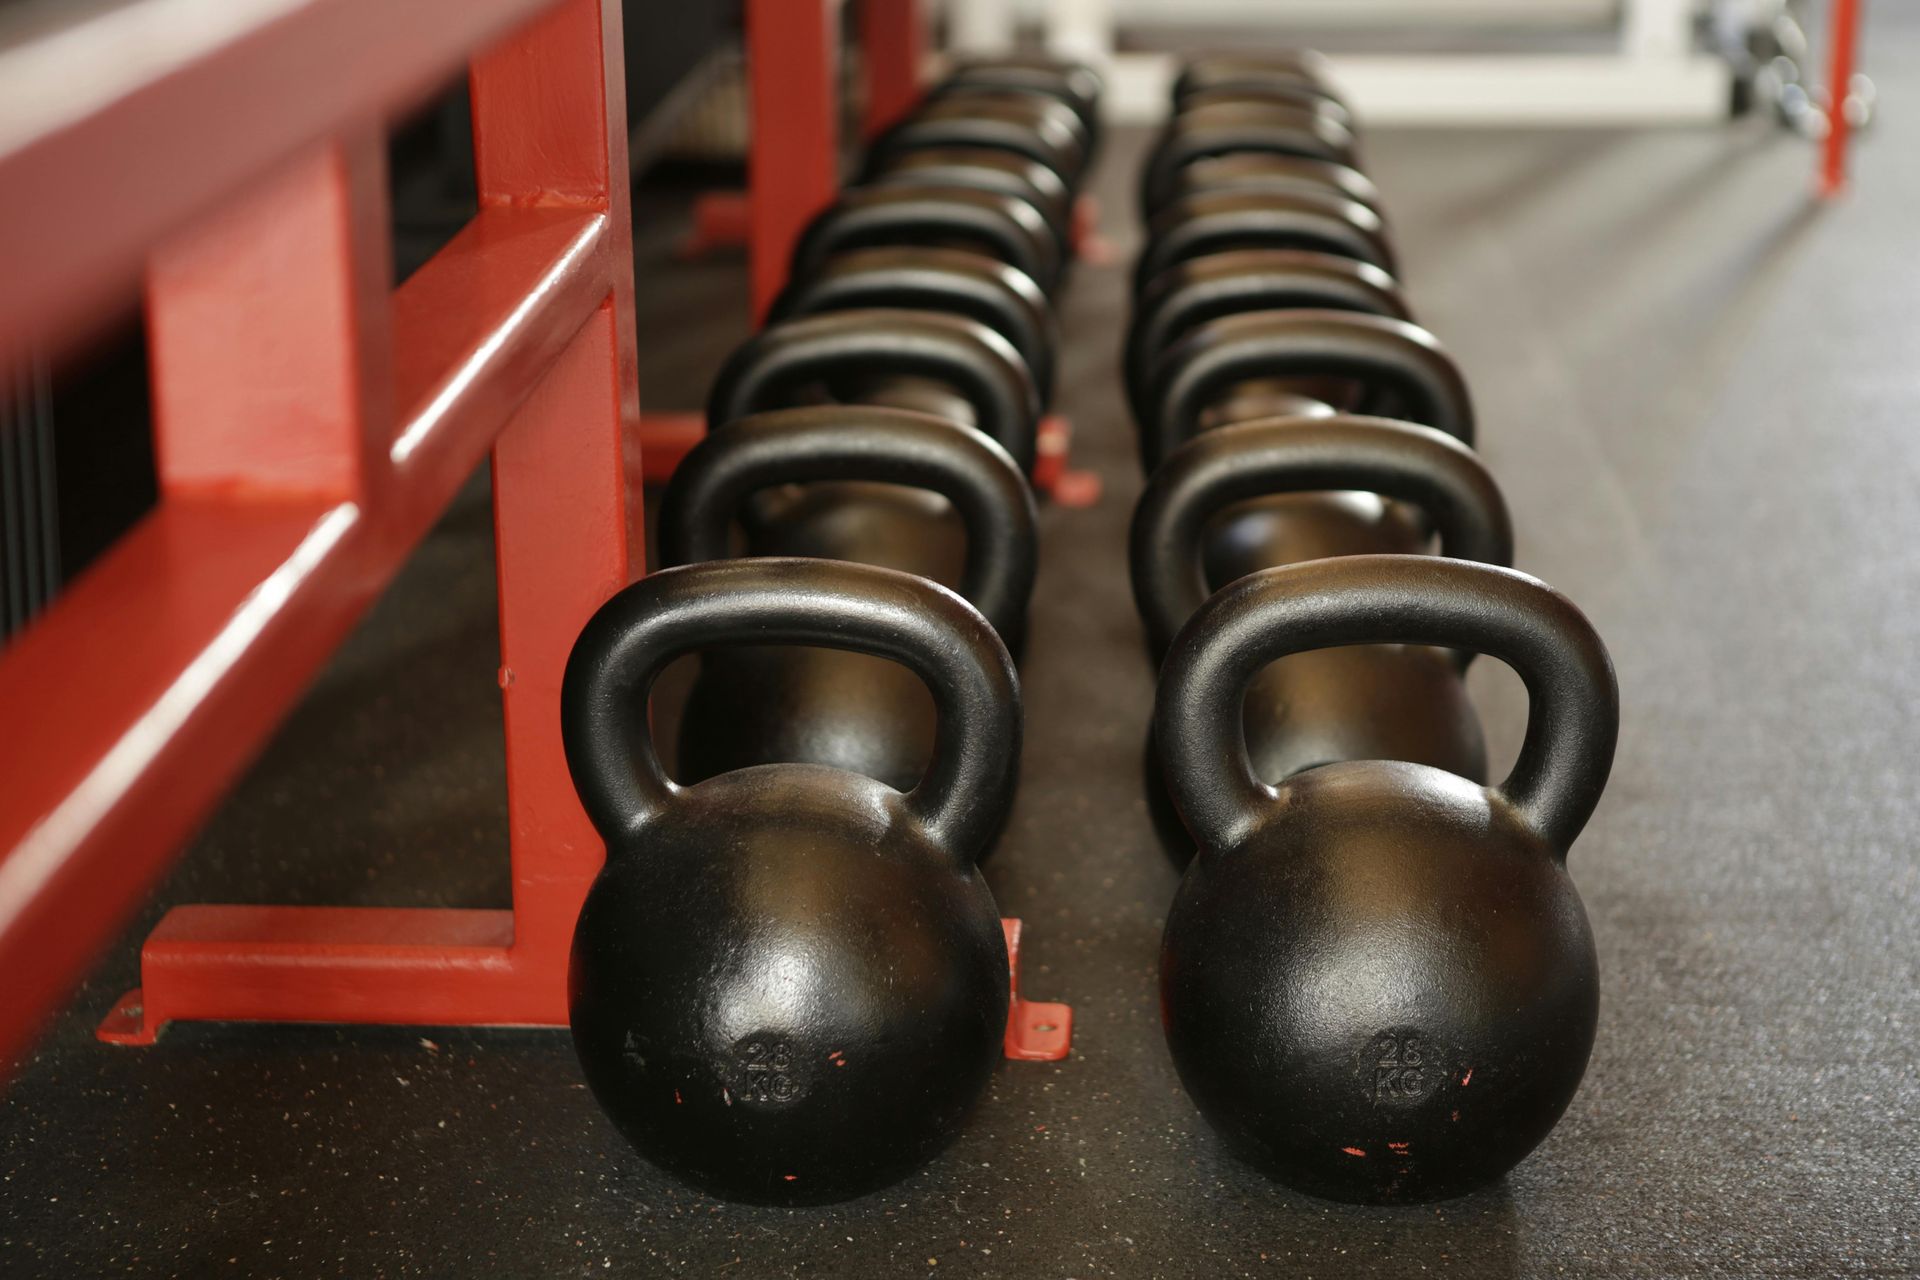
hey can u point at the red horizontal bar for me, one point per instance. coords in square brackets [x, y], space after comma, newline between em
[198, 630]
[476, 329]
[191, 636]
[121, 125]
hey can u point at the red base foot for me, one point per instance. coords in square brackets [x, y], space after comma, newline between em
[1036, 1031]
[1051, 475]
[1089, 246]
[400, 967]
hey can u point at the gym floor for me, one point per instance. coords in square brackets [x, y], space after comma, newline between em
[1698, 389]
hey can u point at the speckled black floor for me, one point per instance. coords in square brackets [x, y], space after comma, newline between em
[1700, 394]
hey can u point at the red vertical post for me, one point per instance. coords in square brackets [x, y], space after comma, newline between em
[793, 160]
[1842, 40]
[893, 43]
[566, 471]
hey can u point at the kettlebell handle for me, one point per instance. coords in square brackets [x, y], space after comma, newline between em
[1006, 226]
[1197, 369]
[793, 600]
[1193, 226]
[863, 442]
[1197, 290]
[966, 283]
[977, 362]
[1573, 719]
[1269, 456]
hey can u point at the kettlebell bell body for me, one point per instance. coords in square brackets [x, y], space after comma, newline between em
[788, 984]
[1377, 980]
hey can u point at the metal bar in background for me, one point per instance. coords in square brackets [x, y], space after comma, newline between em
[1842, 43]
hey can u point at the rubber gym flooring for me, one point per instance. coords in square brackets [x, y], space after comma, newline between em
[1699, 391]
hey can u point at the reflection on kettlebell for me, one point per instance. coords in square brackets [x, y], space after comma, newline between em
[1377, 979]
[788, 984]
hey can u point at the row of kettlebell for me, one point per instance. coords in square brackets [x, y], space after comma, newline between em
[1377, 980]
[789, 984]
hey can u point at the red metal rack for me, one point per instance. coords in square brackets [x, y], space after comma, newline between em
[311, 424]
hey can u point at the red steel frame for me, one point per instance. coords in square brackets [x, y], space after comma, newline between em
[310, 426]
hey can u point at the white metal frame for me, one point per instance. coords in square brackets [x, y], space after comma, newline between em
[1655, 77]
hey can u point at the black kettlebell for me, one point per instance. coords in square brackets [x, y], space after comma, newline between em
[1025, 127]
[884, 487]
[1075, 83]
[1251, 127]
[1215, 221]
[852, 352]
[1271, 172]
[788, 985]
[1242, 498]
[1004, 227]
[1048, 99]
[1001, 172]
[1399, 370]
[1190, 293]
[959, 281]
[1377, 979]
[1213, 72]
[1299, 95]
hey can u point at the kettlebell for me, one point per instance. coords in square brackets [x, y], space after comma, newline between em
[1213, 221]
[1273, 172]
[788, 984]
[1192, 292]
[1004, 227]
[1000, 172]
[1218, 284]
[1400, 371]
[851, 350]
[1242, 498]
[963, 121]
[959, 281]
[1075, 83]
[1299, 95]
[1224, 129]
[1044, 109]
[1377, 980]
[857, 483]
[1212, 72]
